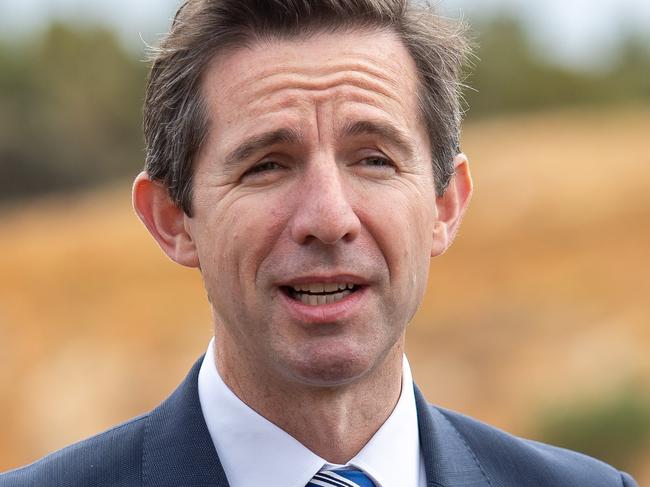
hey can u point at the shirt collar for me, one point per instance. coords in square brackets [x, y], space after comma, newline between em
[254, 451]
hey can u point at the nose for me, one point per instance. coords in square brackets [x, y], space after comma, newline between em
[323, 210]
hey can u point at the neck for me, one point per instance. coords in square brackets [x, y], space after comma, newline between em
[334, 422]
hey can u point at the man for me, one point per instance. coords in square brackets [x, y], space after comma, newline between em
[303, 155]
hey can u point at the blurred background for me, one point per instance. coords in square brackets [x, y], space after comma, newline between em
[537, 320]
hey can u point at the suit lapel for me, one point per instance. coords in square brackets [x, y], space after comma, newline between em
[448, 460]
[177, 448]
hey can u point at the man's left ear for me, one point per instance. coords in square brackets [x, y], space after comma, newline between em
[451, 206]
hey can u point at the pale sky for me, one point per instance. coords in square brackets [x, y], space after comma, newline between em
[582, 31]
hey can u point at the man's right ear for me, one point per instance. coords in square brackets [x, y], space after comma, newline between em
[164, 220]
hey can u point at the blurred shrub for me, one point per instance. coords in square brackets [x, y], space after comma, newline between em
[70, 111]
[510, 75]
[615, 429]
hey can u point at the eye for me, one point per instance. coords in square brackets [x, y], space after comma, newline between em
[264, 171]
[377, 161]
[262, 167]
[377, 165]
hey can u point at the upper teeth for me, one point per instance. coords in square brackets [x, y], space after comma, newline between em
[322, 287]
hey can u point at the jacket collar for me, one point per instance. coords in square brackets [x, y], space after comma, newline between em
[448, 460]
[178, 450]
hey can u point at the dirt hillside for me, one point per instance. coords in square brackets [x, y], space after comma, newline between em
[543, 297]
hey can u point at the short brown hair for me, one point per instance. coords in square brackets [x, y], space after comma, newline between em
[175, 121]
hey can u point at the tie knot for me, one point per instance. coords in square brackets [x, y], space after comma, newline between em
[340, 478]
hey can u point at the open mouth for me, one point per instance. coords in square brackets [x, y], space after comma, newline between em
[320, 293]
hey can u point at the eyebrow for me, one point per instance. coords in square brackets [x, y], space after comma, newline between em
[384, 130]
[259, 142]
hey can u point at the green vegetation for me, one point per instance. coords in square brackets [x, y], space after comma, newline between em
[509, 75]
[69, 111]
[70, 99]
[615, 429]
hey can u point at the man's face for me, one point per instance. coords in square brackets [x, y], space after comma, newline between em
[314, 204]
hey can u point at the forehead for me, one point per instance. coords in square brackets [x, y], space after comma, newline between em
[351, 71]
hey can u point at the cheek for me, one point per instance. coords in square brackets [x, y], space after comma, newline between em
[413, 264]
[401, 224]
[424, 218]
[245, 236]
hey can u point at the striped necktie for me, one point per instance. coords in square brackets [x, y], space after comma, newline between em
[340, 478]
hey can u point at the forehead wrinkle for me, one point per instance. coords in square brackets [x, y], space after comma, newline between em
[385, 86]
[290, 98]
[289, 91]
[368, 73]
[371, 69]
[293, 82]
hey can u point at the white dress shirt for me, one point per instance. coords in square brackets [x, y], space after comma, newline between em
[255, 452]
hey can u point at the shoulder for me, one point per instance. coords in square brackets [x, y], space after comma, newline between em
[111, 458]
[522, 462]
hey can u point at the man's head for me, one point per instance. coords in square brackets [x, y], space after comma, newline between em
[315, 206]
[176, 121]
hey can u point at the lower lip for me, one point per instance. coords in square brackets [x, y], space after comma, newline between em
[325, 313]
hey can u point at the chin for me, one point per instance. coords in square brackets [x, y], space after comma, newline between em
[331, 367]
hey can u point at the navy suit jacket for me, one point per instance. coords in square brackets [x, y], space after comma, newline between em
[171, 447]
